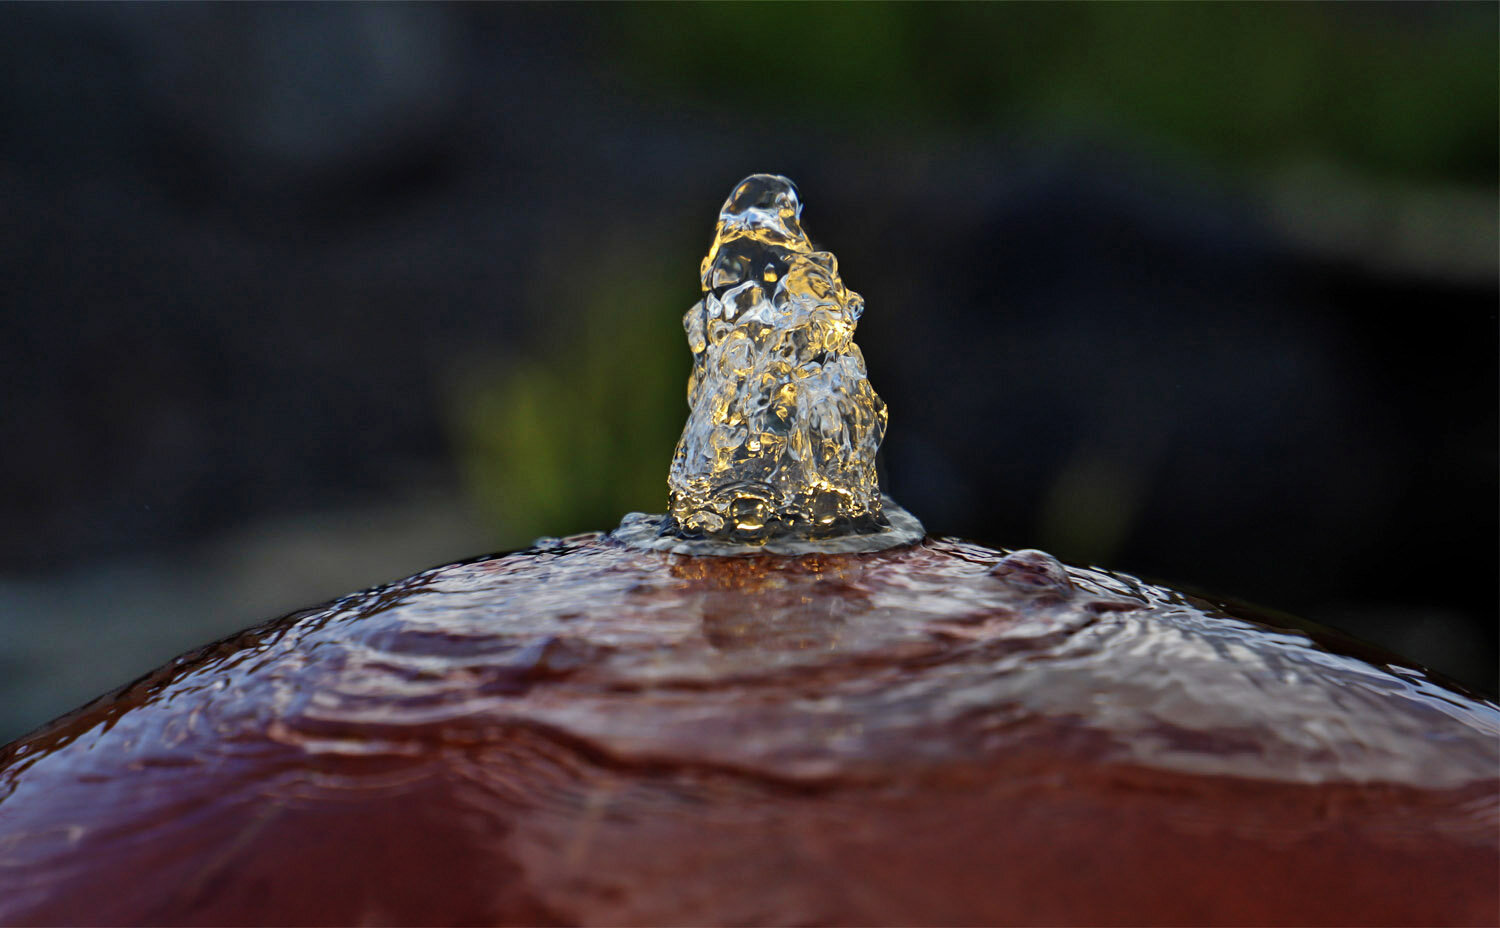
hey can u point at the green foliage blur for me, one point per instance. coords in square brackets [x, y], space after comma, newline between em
[1393, 89]
[572, 439]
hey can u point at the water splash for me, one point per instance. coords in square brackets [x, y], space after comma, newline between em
[784, 426]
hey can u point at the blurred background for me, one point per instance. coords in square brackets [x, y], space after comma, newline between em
[299, 299]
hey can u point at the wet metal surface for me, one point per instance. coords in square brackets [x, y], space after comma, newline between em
[588, 733]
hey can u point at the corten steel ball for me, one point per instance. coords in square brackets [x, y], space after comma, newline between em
[846, 722]
[593, 734]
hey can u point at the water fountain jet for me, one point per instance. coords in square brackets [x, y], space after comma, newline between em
[778, 453]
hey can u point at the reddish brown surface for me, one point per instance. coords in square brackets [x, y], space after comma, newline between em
[592, 735]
